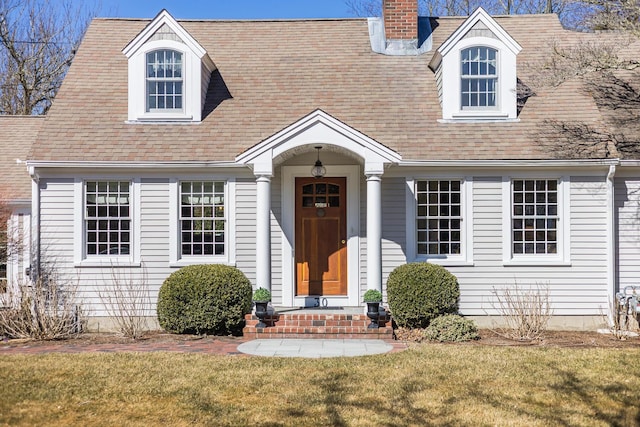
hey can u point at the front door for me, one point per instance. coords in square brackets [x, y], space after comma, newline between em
[321, 233]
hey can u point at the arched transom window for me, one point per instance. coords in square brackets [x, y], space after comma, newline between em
[164, 81]
[479, 77]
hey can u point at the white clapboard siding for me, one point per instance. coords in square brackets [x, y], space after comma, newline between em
[627, 201]
[246, 227]
[393, 225]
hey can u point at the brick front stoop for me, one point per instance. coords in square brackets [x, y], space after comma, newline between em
[317, 325]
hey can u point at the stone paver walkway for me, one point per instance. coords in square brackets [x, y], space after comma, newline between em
[313, 348]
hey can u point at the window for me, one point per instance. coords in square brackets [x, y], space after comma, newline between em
[439, 217]
[202, 218]
[164, 80]
[107, 218]
[478, 77]
[534, 221]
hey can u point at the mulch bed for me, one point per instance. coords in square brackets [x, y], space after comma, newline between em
[566, 339]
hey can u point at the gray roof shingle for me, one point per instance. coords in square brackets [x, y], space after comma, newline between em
[272, 73]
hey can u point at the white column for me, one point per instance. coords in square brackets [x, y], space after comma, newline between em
[263, 232]
[374, 232]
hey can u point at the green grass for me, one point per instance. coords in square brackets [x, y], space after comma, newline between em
[432, 384]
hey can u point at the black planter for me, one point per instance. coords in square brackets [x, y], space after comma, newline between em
[373, 313]
[261, 313]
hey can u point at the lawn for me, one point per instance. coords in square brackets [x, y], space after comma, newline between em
[457, 385]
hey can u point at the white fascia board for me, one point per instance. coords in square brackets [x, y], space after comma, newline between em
[162, 18]
[35, 164]
[479, 15]
[277, 143]
[510, 163]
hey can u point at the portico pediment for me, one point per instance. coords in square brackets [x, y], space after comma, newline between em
[313, 129]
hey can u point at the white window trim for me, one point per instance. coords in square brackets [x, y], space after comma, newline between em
[506, 96]
[191, 90]
[80, 257]
[465, 258]
[563, 257]
[176, 259]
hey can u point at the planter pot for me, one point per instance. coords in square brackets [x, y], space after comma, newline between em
[261, 313]
[373, 313]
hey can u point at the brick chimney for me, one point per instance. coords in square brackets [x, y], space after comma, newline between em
[400, 21]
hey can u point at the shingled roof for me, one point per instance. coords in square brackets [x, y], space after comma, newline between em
[16, 136]
[272, 73]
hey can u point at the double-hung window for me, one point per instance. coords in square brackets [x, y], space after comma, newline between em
[202, 218]
[535, 216]
[479, 77]
[164, 81]
[439, 217]
[107, 218]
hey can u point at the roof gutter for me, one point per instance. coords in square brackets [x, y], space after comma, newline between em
[509, 163]
[33, 164]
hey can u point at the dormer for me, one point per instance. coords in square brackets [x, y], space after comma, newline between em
[169, 73]
[476, 72]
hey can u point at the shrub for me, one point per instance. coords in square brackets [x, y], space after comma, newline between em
[420, 292]
[262, 294]
[451, 327]
[199, 299]
[372, 295]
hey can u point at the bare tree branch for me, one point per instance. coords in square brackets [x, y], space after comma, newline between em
[38, 39]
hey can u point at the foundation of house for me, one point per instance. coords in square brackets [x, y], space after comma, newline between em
[329, 323]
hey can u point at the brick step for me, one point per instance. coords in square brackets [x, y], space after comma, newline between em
[330, 326]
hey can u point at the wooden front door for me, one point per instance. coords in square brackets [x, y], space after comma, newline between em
[321, 236]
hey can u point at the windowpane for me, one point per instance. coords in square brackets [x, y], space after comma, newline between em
[534, 221]
[108, 220]
[164, 80]
[478, 77]
[439, 201]
[200, 203]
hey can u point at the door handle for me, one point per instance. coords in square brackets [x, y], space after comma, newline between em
[343, 241]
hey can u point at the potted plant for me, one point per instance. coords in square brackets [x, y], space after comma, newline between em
[373, 298]
[261, 298]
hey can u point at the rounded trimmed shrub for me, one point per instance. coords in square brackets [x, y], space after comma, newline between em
[451, 328]
[198, 299]
[420, 292]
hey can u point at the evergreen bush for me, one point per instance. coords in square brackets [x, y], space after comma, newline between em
[451, 328]
[211, 299]
[420, 292]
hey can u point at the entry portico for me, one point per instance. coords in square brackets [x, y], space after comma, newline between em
[370, 158]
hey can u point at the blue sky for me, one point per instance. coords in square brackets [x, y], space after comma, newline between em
[227, 9]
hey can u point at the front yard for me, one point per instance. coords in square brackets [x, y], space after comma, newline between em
[429, 384]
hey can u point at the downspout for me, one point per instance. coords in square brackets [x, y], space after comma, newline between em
[34, 268]
[611, 235]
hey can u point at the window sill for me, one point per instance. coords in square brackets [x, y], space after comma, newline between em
[160, 118]
[479, 116]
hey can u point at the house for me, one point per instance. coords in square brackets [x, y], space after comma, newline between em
[16, 136]
[179, 142]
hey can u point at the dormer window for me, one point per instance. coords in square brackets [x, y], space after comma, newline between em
[476, 72]
[169, 74]
[479, 78]
[164, 81]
